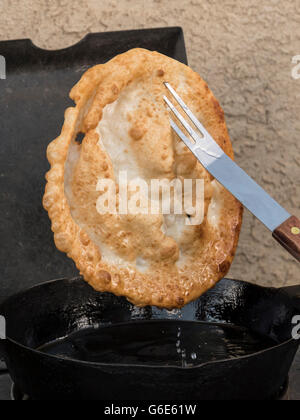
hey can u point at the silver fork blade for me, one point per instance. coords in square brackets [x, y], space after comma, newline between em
[188, 128]
[180, 134]
[210, 147]
[227, 172]
[187, 110]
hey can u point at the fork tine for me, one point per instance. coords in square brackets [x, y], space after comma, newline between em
[181, 135]
[188, 128]
[187, 110]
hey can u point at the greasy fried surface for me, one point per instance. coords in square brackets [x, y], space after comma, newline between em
[150, 259]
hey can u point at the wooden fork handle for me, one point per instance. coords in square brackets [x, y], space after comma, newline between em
[288, 235]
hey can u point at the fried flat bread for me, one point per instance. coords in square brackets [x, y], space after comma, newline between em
[152, 259]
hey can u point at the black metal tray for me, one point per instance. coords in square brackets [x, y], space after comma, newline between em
[33, 99]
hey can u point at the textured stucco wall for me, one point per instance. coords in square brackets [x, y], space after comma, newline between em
[244, 49]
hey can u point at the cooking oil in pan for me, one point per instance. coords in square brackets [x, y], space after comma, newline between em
[159, 343]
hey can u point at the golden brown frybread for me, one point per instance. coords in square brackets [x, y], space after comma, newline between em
[151, 259]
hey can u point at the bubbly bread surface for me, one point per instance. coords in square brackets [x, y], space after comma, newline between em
[152, 259]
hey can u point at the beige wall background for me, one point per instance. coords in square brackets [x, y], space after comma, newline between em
[244, 50]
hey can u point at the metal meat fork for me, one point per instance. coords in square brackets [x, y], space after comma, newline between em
[284, 227]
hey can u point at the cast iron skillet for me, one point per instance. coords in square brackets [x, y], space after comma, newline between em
[56, 309]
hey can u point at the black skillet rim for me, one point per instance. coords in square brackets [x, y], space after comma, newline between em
[129, 365]
[90, 35]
